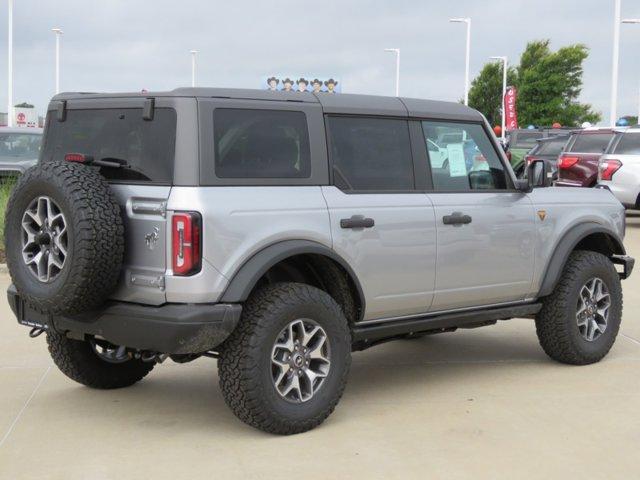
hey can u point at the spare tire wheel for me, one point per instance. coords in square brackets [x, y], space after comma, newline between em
[64, 238]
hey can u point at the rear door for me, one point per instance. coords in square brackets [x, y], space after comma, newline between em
[485, 229]
[115, 129]
[380, 222]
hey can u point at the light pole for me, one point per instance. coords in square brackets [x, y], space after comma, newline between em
[193, 67]
[634, 20]
[614, 68]
[397, 52]
[467, 55]
[10, 66]
[58, 33]
[505, 63]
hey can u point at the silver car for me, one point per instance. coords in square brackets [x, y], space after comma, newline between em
[19, 149]
[619, 167]
[279, 232]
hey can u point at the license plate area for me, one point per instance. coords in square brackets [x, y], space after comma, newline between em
[29, 317]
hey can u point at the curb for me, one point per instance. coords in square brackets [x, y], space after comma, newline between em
[3, 268]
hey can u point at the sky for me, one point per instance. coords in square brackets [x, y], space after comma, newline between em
[128, 45]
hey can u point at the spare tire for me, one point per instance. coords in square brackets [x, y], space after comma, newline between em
[64, 238]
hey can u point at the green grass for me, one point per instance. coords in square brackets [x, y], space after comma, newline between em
[6, 185]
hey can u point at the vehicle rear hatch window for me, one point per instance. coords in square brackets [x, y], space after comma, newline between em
[551, 147]
[146, 148]
[526, 139]
[591, 143]
[629, 144]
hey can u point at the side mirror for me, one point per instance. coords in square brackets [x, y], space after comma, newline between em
[537, 174]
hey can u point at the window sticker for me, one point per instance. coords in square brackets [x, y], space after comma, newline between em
[457, 164]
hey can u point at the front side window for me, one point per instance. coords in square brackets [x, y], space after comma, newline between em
[371, 153]
[470, 163]
[261, 144]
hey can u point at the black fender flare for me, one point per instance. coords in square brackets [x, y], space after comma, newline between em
[566, 245]
[247, 276]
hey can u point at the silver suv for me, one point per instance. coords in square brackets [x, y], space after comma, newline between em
[279, 232]
[619, 167]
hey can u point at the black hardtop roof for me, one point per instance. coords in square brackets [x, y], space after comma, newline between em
[331, 103]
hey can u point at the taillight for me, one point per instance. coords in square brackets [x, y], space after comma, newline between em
[186, 236]
[567, 162]
[607, 168]
[77, 157]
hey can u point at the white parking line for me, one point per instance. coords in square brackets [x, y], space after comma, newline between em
[26, 404]
[630, 338]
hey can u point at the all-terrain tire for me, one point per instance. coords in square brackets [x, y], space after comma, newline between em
[244, 366]
[95, 237]
[77, 360]
[556, 323]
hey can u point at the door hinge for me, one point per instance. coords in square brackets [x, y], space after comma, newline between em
[147, 281]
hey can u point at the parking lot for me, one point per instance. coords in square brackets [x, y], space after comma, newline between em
[449, 406]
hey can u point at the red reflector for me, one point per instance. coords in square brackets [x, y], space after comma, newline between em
[186, 237]
[567, 162]
[76, 157]
[607, 168]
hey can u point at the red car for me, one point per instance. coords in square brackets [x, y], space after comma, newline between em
[578, 163]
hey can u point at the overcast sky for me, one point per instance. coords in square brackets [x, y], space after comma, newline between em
[127, 45]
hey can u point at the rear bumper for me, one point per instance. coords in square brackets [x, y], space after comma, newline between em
[171, 328]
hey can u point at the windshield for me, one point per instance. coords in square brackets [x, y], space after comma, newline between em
[147, 147]
[20, 146]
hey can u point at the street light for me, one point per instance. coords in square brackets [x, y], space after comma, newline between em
[10, 66]
[397, 52]
[634, 20]
[505, 63]
[614, 68]
[193, 67]
[58, 33]
[467, 55]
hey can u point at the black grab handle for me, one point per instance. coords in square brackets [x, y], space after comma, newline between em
[357, 221]
[456, 218]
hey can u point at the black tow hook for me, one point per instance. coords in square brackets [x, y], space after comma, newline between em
[36, 332]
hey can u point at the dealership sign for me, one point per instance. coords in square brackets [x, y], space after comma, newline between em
[511, 113]
[25, 117]
[302, 83]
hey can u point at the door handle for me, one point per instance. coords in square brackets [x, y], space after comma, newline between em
[456, 218]
[357, 221]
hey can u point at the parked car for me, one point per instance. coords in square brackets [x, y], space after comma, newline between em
[578, 164]
[519, 142]
[19, 149]
[279, 232]
[619, 167]
[548, 150]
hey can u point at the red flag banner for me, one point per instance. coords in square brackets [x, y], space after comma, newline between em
[511, 115]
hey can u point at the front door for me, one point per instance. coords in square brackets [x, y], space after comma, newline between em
[380, 223]
[485, 229]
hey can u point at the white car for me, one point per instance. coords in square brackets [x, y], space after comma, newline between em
[619, 167]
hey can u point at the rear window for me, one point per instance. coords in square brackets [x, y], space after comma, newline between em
[526, 139]
[147, 147]
[591, 142]
[629, 144]
[19, 146]
[551, 147]
[261, 144]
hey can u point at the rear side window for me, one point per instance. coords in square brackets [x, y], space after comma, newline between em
[629, 144]
[147, 147]
[370, 153]
[261, 144]
[551, 147]
[591, 142]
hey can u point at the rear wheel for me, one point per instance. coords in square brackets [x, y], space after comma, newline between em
[579, 321]
[96, 364]
[284, 368]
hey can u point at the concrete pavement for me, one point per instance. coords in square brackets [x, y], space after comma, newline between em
[483, 403]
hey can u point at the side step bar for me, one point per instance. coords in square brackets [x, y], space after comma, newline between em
[367, 335]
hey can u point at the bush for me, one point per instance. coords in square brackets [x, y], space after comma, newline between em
[6, 185]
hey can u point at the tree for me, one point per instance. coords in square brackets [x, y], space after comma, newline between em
[486, 91]
[548, 84]
[24, 105]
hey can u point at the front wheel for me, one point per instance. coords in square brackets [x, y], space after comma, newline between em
[579, 321]
[284, 368]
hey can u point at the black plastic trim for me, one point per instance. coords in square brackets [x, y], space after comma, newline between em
[171, 328]
[253, 269]
[566, 245]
